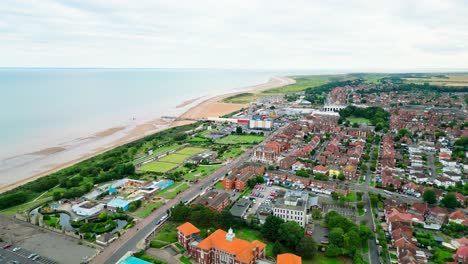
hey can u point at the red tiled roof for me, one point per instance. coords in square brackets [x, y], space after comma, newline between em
[288, 258]
[188, 229]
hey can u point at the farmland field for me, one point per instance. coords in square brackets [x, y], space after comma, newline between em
[190, 151]
[174, 158]
[450, 80]
[158, 166]
[240, 139]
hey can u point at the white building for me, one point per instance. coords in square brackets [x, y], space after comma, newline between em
[444, 181]
[87, 208]
[292, 206]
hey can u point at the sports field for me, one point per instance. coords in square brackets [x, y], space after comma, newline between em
[174, 158]
[240, 139]
[171, 192]
[353, 120]
[190, 151]
[158, 166]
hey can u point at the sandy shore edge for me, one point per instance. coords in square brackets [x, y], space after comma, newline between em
[208, 108]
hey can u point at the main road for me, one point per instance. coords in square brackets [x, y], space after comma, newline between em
[129, 240]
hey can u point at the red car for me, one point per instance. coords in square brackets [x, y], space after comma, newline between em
[7, 246]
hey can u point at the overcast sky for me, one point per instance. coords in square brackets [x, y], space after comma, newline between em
[254, 34]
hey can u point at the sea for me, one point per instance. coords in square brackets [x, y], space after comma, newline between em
[42, 108]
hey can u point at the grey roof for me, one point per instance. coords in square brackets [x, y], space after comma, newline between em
[240, 207]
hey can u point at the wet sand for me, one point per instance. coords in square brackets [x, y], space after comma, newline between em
[44, 162]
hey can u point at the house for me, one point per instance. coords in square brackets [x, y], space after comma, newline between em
[350, 172]
[220, 246]
[437, 215]
[460, 198]
[419, 208]
[319, 169]
[286, 163]
[238, 177]
[461, 256]
[288, 258]
[457, 217]
[291, 206]
[461, 242]
[444, 181]
[298, 166]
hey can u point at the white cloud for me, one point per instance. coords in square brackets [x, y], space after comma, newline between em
[331, 34]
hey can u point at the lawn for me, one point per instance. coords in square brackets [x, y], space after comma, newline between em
[353, 120]
[158, 166]
[351, 197]
[174, 158]
[171, 192]
[185, 260]
[250, 235]
[240, 139]
[360, 212]
[147, 209]
[158, 244]
[168, 233]
[219, 185]
[361, 179]
[198, 140]
[26, 206]
[232, 153]
[156, 152]
[201, 172]
[53, 221]
[190, 151]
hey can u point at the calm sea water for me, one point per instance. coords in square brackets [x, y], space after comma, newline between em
[43, 107]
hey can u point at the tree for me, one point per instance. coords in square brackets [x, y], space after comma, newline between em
[57, 196]
[429, 196]
[450, 201]
[277, 248]
[341, 176]
[270, 228]
[360, 204]
[239, 130]
[316, 213]
[333, 251]
[306, 247]
[336, 236]
[290, 233]
[303, 173]
[350, 240]
[365, 232]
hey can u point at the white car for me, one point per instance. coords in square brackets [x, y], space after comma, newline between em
[16, 249]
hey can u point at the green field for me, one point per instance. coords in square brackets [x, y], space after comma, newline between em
[232, 153]
[172, 191]
[158, 166]
[27, 206]
[201, 172]
[198, 140]
[168, 233]
[351, 197]
[156, 152]
[190, 151]
[240, 139]
[219, 185]
[147, 209]
[353, 120]
[174, 158]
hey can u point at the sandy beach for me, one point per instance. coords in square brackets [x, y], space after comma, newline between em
[43, 162]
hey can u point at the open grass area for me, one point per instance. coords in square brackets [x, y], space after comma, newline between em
[240, 139]
[201, 172]
[185, 260]
[156, 152]
[250, 235]
[168, 233]
[243, 98]
[171, 192]
[147, 209]
[361, 179]
[27, 206]
[158, 166]
[190, 151]
[351, 197]
[219, 185]
[302, 83]
[198, 140]
[158, 244]
[358, 120]
[232, 153]
[174, 158]
[52, 221]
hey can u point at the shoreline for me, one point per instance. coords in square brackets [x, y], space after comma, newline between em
[209, 107]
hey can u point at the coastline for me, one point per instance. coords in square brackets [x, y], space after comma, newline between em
[117, 136]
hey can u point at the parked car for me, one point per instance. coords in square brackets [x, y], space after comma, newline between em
[16, 249]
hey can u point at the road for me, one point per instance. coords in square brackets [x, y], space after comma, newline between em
[129, 240]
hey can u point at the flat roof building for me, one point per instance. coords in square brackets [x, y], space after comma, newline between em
[292, 206]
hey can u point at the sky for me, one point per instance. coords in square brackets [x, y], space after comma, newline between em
[239, 34]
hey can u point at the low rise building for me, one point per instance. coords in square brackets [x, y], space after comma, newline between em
[291, 206]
